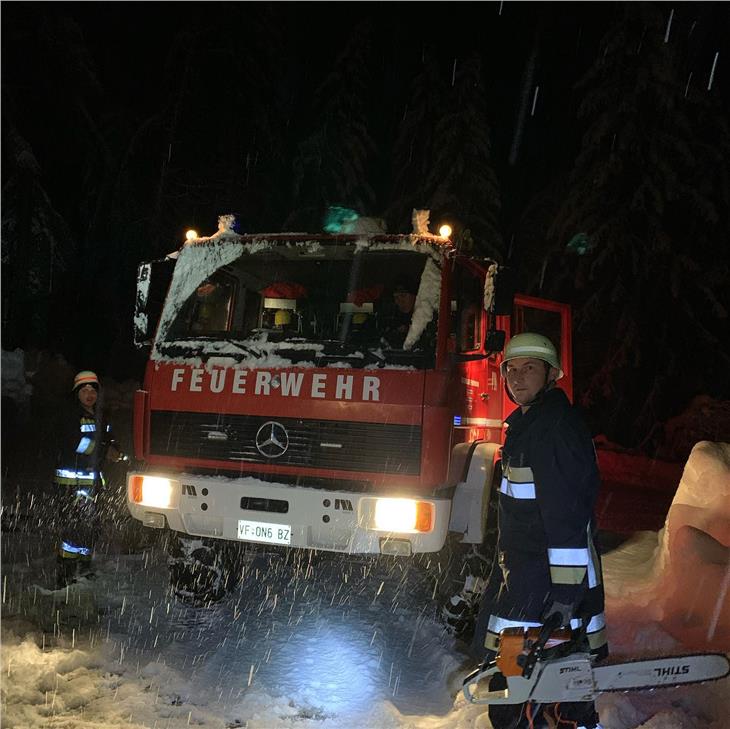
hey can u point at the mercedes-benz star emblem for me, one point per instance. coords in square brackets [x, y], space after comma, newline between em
[272, 439]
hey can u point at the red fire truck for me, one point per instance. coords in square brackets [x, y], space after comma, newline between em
[335, 392]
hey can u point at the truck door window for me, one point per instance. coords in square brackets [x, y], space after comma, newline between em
[209, 310]
[468, 291]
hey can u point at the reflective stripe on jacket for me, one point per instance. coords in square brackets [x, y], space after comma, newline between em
[70, 477]
[83, 443]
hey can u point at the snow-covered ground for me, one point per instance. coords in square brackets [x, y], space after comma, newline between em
[326, 642]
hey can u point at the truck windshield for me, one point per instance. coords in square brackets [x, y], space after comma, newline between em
[323, 304]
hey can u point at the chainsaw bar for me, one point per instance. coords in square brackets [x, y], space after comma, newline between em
[641, 674]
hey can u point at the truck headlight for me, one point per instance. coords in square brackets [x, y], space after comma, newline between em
[403, 515]
[155, 491]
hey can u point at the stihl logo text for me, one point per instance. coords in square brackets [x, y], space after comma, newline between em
[316, 385]
[569, 669]
[671, 671]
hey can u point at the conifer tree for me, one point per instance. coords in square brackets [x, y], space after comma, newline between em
[638, 232]
[332, 164]
[462, 181]
[224, 121]
[37, 247]
[414, 153]
[443, 153]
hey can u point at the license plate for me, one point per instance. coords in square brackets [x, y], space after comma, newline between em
[262, 531]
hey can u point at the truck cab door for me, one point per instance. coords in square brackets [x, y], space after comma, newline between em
[153, 282]
[477, 412]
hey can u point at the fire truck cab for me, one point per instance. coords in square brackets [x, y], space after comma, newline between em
[291, 398]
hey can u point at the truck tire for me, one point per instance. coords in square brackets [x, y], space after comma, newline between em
[202, 571]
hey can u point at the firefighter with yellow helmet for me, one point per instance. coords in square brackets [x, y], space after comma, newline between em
[85, 443]
[550, 568]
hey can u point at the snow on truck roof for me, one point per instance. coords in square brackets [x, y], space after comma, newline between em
[259, 241]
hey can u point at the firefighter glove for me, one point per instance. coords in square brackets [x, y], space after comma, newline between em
[565, 610]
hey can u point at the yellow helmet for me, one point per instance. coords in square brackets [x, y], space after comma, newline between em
[282, 318]
[529, 344]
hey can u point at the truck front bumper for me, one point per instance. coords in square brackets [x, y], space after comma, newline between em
[250, 510]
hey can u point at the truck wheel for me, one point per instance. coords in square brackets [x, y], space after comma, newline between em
[200, 570]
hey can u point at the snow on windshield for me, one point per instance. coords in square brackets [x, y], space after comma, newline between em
[427, 303]
[261, 299]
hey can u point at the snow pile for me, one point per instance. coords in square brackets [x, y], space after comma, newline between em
[14, 384]
[696, 547]
[680, 576]
[82, 688]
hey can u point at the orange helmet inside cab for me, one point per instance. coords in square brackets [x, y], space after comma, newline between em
[85, 377]
[529, 344]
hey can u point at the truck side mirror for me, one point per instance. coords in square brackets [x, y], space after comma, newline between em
[495, 341]
[153, 281]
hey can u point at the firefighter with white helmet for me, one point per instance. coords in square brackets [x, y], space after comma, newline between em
[537, 346]
[550, 569]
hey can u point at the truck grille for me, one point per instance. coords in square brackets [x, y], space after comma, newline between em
[345, 446]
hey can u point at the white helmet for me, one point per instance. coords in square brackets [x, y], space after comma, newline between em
[528, 344]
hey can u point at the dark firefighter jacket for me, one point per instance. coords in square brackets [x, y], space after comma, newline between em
[83, 442]
[547, 496]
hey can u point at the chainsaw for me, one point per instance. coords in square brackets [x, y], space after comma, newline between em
[545, 665]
